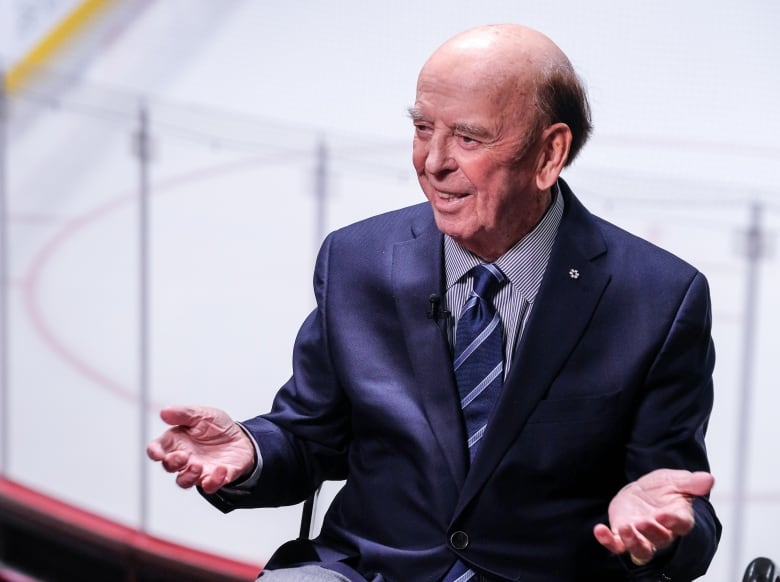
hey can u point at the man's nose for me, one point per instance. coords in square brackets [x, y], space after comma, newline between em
[439, 158]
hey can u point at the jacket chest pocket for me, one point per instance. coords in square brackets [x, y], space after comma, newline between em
[572, 436]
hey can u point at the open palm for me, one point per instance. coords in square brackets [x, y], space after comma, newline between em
[651, 512]
[204, 446]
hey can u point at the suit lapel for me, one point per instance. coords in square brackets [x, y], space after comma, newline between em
[417, 273]
[571, 288]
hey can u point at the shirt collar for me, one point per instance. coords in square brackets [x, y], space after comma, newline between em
[524, 263]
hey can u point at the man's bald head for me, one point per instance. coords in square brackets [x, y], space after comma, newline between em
[524, 71]
[509, 48]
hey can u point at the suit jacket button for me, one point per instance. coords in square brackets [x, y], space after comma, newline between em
[459, 540]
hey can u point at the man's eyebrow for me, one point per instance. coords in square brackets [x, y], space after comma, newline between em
[473, 130]
[464, 128]
[415, 114]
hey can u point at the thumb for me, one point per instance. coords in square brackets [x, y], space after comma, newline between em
[180, 415]
[698, 483]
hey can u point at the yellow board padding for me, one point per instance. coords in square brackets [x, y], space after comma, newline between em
[54, 41]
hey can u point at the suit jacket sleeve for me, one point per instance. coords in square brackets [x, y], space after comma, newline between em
[669, 431]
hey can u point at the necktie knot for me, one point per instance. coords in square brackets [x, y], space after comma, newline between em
[487, 280]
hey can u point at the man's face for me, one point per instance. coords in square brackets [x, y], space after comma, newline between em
[469, 130]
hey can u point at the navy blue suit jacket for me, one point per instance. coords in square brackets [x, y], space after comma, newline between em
[612, 379]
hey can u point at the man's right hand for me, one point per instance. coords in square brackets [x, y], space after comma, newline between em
[204, 446]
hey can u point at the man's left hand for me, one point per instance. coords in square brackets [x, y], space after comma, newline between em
[650, 513]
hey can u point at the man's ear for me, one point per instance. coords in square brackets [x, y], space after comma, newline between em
[554, 151]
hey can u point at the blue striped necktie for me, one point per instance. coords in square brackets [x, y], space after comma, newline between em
[479, 368]
[479, 353]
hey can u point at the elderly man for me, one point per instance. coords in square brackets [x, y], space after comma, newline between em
[512, 388]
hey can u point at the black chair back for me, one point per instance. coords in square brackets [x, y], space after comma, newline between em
[760, 570]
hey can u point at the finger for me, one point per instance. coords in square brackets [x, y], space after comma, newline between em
[175, 461]
[155, 451]
[165, 443]
[636, 544]
[658, 535]
[680, 523]
[180, 415]
[215, 481]
[189, 476]
[608, 539]
[640, 561]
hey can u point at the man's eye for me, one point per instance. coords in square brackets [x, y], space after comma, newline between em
[466, 140]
